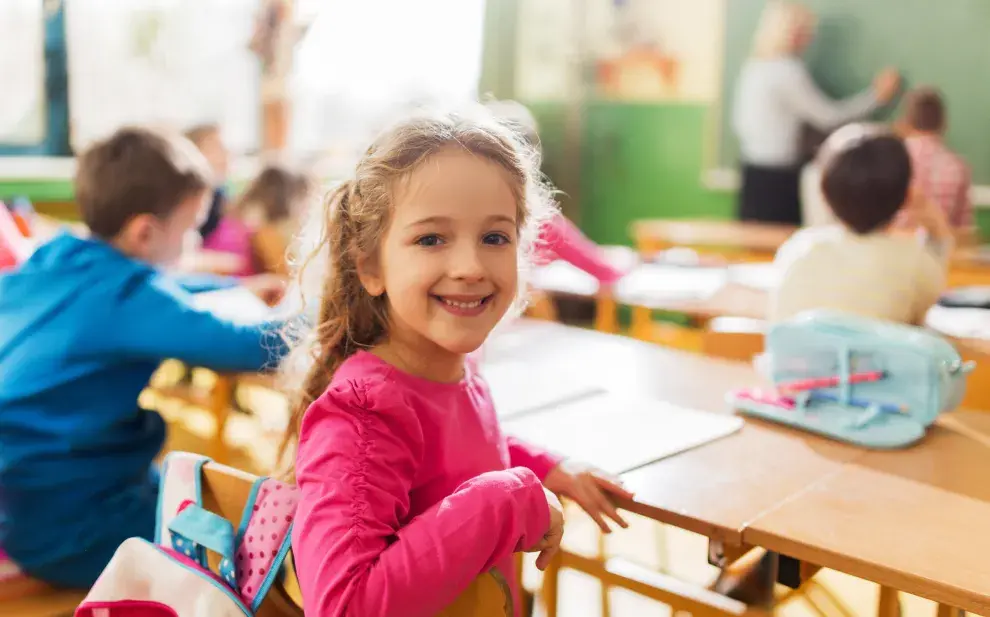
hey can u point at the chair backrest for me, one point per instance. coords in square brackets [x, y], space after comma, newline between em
[733, 338]
[226, 491]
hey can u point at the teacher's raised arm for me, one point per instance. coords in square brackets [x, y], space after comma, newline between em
[775, 97]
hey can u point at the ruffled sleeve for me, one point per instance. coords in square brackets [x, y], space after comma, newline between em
[356, 553]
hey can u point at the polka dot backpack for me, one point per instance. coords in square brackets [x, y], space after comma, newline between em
[172, 577]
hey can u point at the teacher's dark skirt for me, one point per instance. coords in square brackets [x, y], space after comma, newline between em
[770, 195]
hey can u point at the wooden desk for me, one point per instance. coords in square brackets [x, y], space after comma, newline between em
[914, 520]
[713, 490]
[910, 519]
[969, 266]
[749, 241]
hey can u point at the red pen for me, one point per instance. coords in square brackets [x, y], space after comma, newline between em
[831, 382]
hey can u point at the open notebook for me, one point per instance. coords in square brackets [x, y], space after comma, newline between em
[620, 433]
[239, 305]
[520, 387]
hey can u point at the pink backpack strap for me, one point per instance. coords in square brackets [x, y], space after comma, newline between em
[182, 479]
[264, 538]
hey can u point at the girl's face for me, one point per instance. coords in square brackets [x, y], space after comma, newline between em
[448, 262]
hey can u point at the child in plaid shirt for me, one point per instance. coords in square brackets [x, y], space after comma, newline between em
[941, 174]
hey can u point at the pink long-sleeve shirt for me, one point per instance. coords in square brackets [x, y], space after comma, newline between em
[561, 239]
[408, 491]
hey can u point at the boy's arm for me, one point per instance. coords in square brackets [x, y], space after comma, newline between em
[199, 282]
[932, 278]
[963, 213]
[155, 319]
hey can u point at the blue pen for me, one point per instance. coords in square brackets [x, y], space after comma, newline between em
[887, 407]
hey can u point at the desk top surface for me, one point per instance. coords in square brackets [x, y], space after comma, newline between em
[910, 518]
[760, 237]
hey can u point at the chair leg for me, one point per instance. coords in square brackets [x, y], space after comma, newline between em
[944, 610]
[551, 582]
[605, 587]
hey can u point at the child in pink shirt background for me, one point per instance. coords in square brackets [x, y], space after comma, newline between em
[409, 489]
[559, 237]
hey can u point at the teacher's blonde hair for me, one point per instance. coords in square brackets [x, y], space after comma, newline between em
[780, 22]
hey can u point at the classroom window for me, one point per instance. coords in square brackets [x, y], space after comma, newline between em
[33, 106]
[361, 62]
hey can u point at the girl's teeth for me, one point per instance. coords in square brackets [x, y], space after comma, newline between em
[473, 304]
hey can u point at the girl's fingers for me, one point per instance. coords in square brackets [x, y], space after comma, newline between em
[587, 500]
[550, 546]
[545, 557]
[610, 509]
[612, 485]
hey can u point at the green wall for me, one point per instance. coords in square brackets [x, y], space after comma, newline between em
[637, 161]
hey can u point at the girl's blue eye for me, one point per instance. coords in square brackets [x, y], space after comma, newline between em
[429, 240]
[496, 239]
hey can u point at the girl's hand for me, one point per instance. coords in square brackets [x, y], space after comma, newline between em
[590, 488]
[550, 544]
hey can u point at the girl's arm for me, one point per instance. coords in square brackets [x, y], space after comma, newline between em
[357, 551]
[539, 461]
[566, 241]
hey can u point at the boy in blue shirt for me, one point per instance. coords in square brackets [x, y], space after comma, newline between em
[83, 325]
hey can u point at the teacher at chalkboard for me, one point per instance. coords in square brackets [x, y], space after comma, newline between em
[775, 100]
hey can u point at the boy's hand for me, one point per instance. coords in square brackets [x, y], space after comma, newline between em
[590, 488]
[268, 287]
[550, 544]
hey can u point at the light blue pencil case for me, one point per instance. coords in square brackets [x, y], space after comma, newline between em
[922, 376]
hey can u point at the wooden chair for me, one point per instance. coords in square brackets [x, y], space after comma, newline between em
[680, 596]
[541, 306]
[22, 596]
[733, 338]
[225, 492]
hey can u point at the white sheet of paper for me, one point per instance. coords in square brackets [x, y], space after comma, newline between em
[236, 304]
[657, 283]
[959, 322]
[620, 433]
[764, 277]
[561, 277]
[519, 386]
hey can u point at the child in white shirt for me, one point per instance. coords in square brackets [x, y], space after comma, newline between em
[863, 265]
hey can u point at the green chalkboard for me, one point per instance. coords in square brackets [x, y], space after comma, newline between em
[943, 43]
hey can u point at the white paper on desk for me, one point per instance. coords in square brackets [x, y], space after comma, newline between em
[236, 304]
[522, 337]
[760, 276]
[561, 277]
[651, 283]
[959, 322]
[620, 433]
[520, 386]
